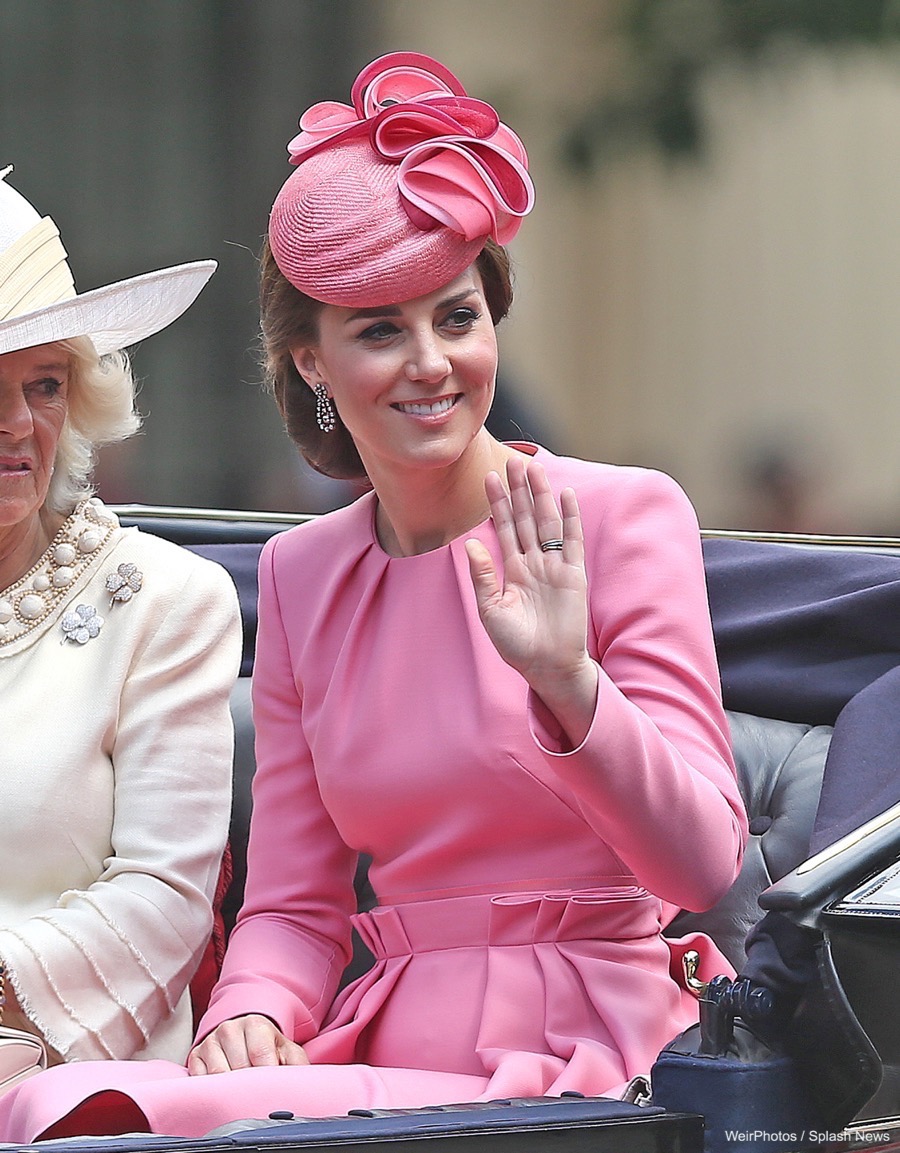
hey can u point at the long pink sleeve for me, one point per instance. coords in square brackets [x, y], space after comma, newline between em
[654, 775]
[292, 939]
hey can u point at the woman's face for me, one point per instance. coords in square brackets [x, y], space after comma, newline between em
[413, 382]
[34, 386]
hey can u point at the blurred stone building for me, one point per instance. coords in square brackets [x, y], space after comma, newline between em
[154, 132]
[732, 316]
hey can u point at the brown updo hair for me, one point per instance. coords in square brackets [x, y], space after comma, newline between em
[290, 319]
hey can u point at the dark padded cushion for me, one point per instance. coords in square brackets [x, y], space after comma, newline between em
[780, 768]
[801, 629]
[241, 801]
[241, 561]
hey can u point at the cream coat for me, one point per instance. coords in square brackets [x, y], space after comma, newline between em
[115, 772]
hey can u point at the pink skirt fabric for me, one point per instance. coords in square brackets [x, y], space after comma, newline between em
[470, 998]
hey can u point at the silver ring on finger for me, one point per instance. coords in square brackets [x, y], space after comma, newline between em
[551, 545]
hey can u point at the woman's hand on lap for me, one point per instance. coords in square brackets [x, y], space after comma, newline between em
[241, 1043]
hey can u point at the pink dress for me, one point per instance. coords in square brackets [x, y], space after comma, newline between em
[522, 886]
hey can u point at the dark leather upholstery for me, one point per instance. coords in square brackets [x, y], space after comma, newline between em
[780, 768]
[241, 803]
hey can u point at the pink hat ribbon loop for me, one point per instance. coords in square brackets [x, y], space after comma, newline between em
[458, 165]
[404, 72]
[476, 190]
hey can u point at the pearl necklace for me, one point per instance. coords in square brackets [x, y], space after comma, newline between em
[79, 542]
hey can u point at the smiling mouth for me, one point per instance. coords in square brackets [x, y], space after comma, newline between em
[425, 408]
[14, 466]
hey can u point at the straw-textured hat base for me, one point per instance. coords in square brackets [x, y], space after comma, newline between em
[340, 234]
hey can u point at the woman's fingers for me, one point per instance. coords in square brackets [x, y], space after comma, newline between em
[210, 1057]
[572, 531]
[290, 1053]
[502, 515]
[536, 514]
[527, 516]
[242, 1043]
[483, 573]
[522, 502]
[533, 601]
[258, 1046]
[549, 523]
[204, 1058]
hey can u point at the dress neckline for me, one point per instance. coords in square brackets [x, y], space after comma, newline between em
[77, 546]
[527, 447]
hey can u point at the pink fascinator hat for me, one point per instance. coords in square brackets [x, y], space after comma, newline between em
[38, 301]
[396, 194]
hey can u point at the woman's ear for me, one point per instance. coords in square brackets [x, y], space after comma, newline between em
[306, 363]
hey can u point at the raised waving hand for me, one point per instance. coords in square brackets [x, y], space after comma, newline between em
[535, 612]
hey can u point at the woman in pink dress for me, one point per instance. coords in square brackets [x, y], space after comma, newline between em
[494, 673]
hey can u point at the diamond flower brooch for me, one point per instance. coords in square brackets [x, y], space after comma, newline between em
[84, 623]
[81, 625]
[124, 583]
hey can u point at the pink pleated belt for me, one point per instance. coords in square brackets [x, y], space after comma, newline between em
[615, 912]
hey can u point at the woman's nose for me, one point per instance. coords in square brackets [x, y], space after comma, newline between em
[15, 414]
[428, 359]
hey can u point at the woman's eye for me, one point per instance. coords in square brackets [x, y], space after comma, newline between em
[380, 331]
[462, 318]
[49, 386]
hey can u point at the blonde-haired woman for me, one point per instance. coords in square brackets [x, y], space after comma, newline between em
[117, 654]
[100, 411]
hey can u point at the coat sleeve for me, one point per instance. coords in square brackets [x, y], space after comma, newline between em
[292, 939]
[654, 775]
[105, 968]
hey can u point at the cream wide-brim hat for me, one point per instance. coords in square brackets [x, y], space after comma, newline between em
[38, 301]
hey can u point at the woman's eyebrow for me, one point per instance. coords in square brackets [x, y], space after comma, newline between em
[456, 298]
[394, 310]
[371, 313]
[52, 366]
